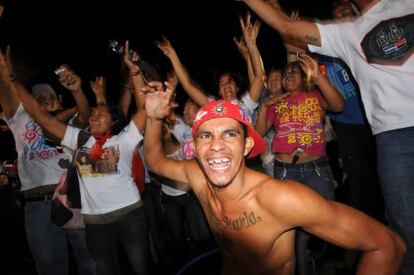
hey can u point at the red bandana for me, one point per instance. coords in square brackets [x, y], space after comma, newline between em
[96, 150]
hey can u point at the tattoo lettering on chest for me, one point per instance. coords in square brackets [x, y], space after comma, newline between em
[246, 220]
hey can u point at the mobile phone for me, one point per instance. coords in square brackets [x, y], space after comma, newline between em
[148, 71]
[116, 47]
[60, 70]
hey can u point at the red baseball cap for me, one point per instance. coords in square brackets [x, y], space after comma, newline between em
[231, 109]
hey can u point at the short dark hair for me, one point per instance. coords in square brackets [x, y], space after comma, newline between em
[235, 76]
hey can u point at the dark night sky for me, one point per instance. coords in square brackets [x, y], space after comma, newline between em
[45, 34]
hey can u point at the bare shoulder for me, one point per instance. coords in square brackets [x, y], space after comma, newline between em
[277, 190]
[284, 198]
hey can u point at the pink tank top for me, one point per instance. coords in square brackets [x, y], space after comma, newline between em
[298, 122]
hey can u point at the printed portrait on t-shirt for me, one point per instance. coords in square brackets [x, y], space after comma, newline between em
[103, 165]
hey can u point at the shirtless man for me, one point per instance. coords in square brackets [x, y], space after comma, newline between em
[253, 216]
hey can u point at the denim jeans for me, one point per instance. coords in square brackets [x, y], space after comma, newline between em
[83, 258]
[395, 151]
[48, 242]
[132, 231]
[318, 176]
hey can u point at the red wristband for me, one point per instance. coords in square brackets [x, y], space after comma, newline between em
[135, 73]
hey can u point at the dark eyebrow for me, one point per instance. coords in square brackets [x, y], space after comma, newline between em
[198, 133]
[233, 130]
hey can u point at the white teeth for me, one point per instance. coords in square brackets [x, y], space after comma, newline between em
[218, 161]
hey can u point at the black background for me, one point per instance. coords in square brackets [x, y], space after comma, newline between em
[45, 34]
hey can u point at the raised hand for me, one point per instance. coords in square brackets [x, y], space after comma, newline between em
[272, 99]
[130, 58]
[69, 79]
[9, 99]
[241, 45]
[310, 67]
[250, 31]
[158, 103]
[165, 46]
[98, 87]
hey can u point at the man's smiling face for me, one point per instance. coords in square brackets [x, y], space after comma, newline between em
[221, 146]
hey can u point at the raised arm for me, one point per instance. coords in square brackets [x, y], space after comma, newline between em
[295, 32]
[197, 94]
[333, 100]
[67, 114]
[98, 87]
[244, 52]
[71, 81]
[48, 122]
[140, 116]
[250, 32]
[126, 96]
[382, 249]
[293, 51]
[9, 99]
[12, 91]
[158, 107]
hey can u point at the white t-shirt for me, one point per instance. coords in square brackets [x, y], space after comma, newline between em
[183, 133]
[106, 183]
[249, 103]
[37, 161]
[378, 48]
[171, 191]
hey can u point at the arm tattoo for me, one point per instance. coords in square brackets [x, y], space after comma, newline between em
[310, 39]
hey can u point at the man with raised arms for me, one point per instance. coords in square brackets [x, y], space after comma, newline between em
[253, 216]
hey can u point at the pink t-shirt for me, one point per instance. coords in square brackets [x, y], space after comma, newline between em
[298, 122]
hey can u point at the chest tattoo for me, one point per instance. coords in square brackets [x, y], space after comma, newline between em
[246, 220]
